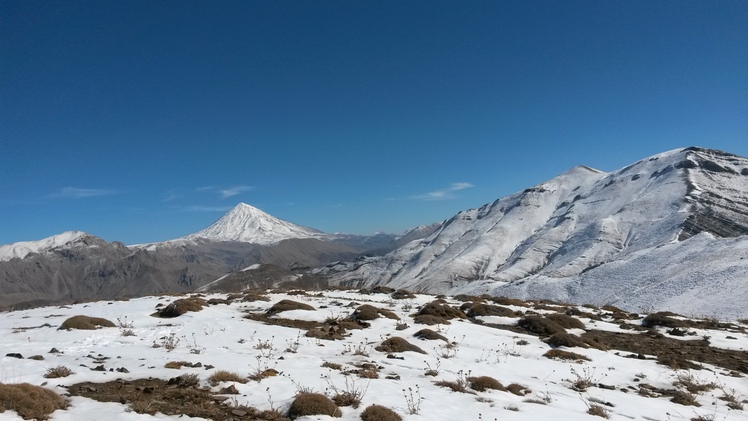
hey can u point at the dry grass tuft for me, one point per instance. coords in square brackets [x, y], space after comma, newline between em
[287, 305]
[29, 401]
[430, 335]
[540, 326]
[379, 413]
[661, 319]
[225, 376]
[518, 389]
[85, 323]
[566, 321]
[442, 311]
[398, 344]
[565, 339]
[558, 354]
[598, 411]
[181, 306]
[482, 383]
[333, 366]
[57, 372]
[686, 398]
[313, 404]
[369, 312]
[489, 310]
[402, 294]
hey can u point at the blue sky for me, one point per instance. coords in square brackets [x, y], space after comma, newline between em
[142, 121]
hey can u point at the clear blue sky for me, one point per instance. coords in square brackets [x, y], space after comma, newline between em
[141, 121]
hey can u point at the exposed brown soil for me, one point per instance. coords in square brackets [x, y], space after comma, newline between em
[672, 351]
[148, 396]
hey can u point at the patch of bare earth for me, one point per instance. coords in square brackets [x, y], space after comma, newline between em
[673, 352]
[148, 396]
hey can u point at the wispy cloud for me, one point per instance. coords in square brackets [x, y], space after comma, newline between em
[171, 195]
[79, 193]
[443, 194]
[233, 191]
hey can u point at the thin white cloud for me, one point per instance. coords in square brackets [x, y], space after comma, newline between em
[443, 194]
[79, 193]
[169, 196]
[233, 191]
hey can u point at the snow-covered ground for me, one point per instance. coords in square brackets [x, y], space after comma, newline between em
[220, 336]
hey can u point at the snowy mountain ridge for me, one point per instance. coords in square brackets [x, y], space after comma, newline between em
[23, 248]
[570, 225]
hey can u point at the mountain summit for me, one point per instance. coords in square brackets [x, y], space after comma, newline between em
[247, 224]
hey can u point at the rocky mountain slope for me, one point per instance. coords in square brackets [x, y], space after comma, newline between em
[565, 238]
[78, 266]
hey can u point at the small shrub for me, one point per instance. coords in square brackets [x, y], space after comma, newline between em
[85, 323]
[458, 385]
[286, 305]
[402, 294]
[181, 306]
[566, 321]
[312, 404]
[489, 310]
[482, 383]
[177, 364]
[427, 319]
[57, 372]
[29, 401]
[369, 312]
[692, 384]
[565, 355]
[225, 376]
[598, 410]
[334, 366]
[381, 289]
[442, 311]
[504, 301]
[379, 413]
[518, 389]
[430, 335]
[565, 339]
[686, 398]
[540, 326]
[661, 319]
[398, 344]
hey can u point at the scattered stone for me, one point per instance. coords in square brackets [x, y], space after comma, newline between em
[14, 355]
[230, 390]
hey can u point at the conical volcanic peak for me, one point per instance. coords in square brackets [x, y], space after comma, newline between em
[245, 223]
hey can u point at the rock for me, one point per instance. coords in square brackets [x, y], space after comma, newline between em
[14, 355]
[230, 390]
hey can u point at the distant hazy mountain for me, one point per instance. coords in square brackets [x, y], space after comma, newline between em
[78, 266]
[586, 235]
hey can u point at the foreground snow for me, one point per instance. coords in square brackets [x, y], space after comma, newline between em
[219, 336]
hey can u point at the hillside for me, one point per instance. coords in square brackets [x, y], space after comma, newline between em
[566, 238]
[248, 356]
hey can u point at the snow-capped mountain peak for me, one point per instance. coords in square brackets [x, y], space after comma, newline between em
[23, 248]
[245, 223]
[571, 226]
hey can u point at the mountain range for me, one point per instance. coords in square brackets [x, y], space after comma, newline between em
[668, 231]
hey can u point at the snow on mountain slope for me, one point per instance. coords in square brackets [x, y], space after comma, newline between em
[23, 248]
[571, 224]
